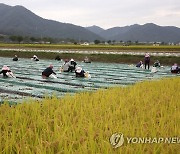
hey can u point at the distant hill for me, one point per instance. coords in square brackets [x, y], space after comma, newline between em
[95, 29]
[18, 20]
[150, 33]
[110, 33]
[143, 33]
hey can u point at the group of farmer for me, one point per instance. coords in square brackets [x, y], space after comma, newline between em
[147, 62]
[68, 66]
[174, 68]
[71, 66]
[34, 58]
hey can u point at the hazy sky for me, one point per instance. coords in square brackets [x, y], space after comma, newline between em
[105, 13]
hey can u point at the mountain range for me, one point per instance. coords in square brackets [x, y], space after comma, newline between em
[143, 33]
[17, 20]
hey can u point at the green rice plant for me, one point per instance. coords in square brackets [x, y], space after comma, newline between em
[85, 122]
[102, 47]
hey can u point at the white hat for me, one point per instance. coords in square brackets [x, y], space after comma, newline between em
[78, 69]
[5, 68]
[147, 55]
[72, 60]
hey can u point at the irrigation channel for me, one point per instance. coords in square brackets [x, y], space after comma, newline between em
[29, 83]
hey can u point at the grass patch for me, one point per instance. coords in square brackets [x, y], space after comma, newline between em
[164, 48]
[84, 123]
[107, 58]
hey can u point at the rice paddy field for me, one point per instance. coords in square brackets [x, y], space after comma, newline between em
[170, 48]
[80, 115]
[85, 122]
[29, 83]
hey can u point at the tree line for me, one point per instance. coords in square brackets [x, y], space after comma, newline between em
[49, 40]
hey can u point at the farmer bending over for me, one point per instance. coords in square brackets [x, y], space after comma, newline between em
[48, 71]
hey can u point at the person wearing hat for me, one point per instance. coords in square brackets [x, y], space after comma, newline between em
[86, 60]
[72, 65]
[147, 60]
[65, 66]
[175, 68]
[35, 58]
[79, 72]
[15, 58]
[6, 72]
[157, 64]
[140, 64]
[48, 71]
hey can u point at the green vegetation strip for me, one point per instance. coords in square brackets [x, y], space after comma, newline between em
[85, 122]
[107, 58]
[94, 47]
